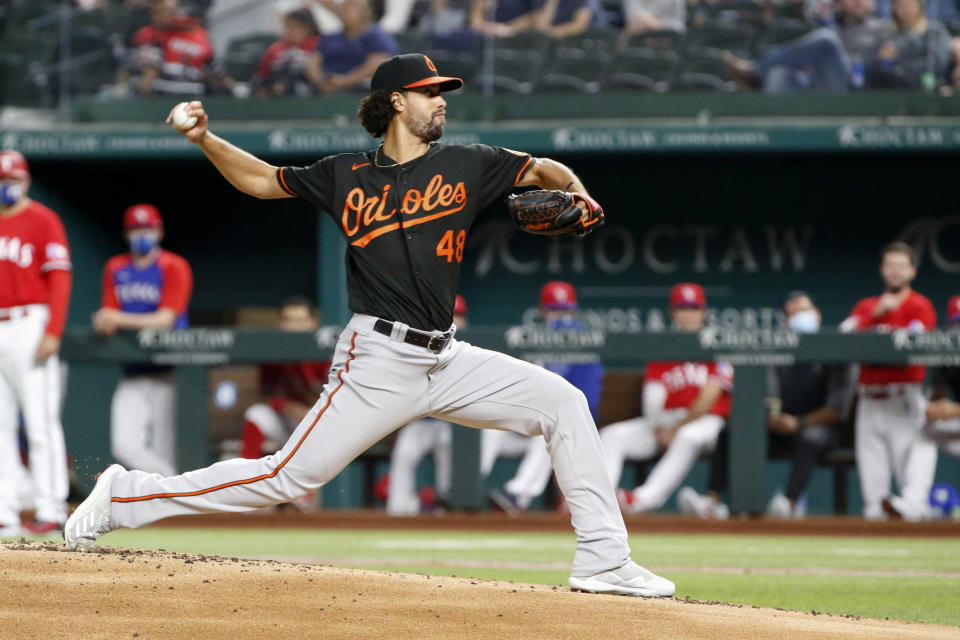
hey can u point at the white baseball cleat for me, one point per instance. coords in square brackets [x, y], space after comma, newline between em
[629, 580]
[91, 519]
[704, 506]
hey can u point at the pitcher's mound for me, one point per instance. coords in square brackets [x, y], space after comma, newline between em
[48, 592]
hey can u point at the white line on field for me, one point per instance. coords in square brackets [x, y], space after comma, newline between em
[372, 561]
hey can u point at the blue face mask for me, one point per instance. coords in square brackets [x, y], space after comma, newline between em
[804, 322]
[143, 243]
[11, 193]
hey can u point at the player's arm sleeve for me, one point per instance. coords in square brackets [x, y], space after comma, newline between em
[108, 295]
[58, 285]
[928, 316]
[56, 250]
[502, 170]
[315, 183]
[177, 286]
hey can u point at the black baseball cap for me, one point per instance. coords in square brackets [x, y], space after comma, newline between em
[409, 71]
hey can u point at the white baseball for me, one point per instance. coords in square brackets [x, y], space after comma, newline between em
[181, 119]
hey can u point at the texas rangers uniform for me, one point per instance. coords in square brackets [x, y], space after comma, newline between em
[34, 293]
[668, 391]
[891, 413]
[143, 411]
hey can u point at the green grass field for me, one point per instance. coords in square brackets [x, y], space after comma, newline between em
[914, 579]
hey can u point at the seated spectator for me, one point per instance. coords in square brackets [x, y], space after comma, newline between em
[915, 55]
[827, 59]
[445, 27]
[943, 412]
[502, 18]
[171, 55]
[283, 68]
[654, 15]
[565, 18]
[348, 59]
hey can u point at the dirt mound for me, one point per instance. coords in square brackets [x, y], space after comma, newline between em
[48, 592]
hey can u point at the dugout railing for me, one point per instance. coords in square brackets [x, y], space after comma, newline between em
[750, 351]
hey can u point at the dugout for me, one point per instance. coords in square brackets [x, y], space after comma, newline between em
[750, 208]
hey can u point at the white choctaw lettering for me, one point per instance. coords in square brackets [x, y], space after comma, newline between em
[16, 251]
[138, 292]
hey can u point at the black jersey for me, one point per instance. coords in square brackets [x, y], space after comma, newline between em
[406, 224]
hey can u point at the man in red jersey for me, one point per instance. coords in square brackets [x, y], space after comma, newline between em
[891, 409]
[35, 284]
[685, 407]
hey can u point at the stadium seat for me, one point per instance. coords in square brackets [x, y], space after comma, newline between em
[644, 69]
[659, 40]
[514, 71]
[704, 71]
[244, 54]
[718, 35]
[781, 30]
[572, 69]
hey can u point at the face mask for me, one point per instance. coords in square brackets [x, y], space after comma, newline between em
[11, 194]
[143, 243]
[804, 322]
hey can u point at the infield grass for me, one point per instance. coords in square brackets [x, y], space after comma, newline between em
[913, 579]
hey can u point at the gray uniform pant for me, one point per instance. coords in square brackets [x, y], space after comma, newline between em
[378, 383]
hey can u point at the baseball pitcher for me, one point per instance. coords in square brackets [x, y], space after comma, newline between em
[404, 209]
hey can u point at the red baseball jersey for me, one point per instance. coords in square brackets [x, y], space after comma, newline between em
[283, 57]
[300, 381]
[916, 314]
[165, 283]
[684, 380]
[184, 41]
[32, 243]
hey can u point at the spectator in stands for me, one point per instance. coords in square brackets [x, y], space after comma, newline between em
[503, 18]
[565, 18]
[827, 59]
[943, 412]
[915, 55]
[445, 26]
[171, 55]
[283, 68]
[685, 407]
[348, 59]
[654, 15]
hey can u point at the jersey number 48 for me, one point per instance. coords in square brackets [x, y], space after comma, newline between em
[449, 249]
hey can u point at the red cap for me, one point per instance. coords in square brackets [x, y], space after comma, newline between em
[142, 215]
[13, 165]
[687, 295]
[558, 295]
[460, 306]
[953, 309]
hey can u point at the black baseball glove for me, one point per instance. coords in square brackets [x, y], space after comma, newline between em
[554, 213]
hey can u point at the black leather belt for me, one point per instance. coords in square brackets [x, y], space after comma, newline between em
[429, 341]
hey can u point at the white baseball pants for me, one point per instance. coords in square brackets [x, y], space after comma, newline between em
[34, 391]
[415, 441]
[143, 424]
[635, 439]
[378, 383]
[890, 436]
